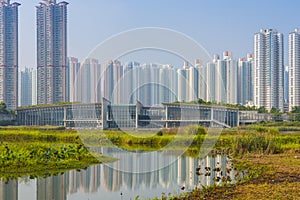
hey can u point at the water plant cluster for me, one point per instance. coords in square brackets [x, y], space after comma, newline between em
[14, 157]
[42, 151]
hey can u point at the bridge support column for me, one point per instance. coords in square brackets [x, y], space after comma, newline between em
[65, 117]
[212, 116]
[167, 117]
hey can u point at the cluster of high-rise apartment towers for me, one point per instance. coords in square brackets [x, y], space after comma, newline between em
[260, 79]
[51, 20]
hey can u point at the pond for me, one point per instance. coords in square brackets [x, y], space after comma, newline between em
[144, 174]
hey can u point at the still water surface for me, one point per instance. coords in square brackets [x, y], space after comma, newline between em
[171, 173]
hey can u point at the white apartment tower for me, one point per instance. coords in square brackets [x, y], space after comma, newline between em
[167, 84]
[34, 86]
[245, 80]
[87, 84]
[25, 87]
[231, 77]
[202, 80]
[294, 69]
[182, 73]
[222, 77]
[118, 91]
[130, 75]
[72, 74]
[212, 83]
[193, 79]
[268, 69]
[112, 80]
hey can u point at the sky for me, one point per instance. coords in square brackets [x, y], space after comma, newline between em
[217, 25]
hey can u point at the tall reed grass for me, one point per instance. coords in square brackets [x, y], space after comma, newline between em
[262, 143]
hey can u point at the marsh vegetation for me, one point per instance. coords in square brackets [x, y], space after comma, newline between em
[269, 152]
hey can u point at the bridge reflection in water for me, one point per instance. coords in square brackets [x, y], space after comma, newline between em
[107, 182]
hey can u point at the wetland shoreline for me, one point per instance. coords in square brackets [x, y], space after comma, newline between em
[268, 152]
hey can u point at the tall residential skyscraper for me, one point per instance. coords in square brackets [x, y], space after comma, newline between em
[72, 86]
[167, 84]
[193, 84]
[151, 84]
[231, 77]
[34, 86]
[86, 84]
[147, 87]
[245, 80]
[183, 83]
[268, 69]
[51, 51]
[118, 90]
[95, 82]
[9, 53]
[108, 79]
[202, 80]
[210, 81]
[25, 87]
[294, 69]
[286, 85]
[223, 79]
[130, 78]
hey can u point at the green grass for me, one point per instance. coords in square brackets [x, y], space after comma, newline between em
[38, 134]
[241, 139]
[265, 141]
[20, 128]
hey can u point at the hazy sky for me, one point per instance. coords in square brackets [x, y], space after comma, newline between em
[218, 25]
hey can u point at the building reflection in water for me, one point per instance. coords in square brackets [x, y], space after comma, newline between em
[9, 191]
[52, 188]
[108, 178]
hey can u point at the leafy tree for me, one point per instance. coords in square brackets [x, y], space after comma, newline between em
[201, 101]
[275, 111]
[276, 114]
[3, 108]
[210, 103]
[295, 113]
[262, 110]
[296, 109]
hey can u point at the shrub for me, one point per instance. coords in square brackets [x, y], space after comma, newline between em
[260, 129]
[273, 131]
[159, 133]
